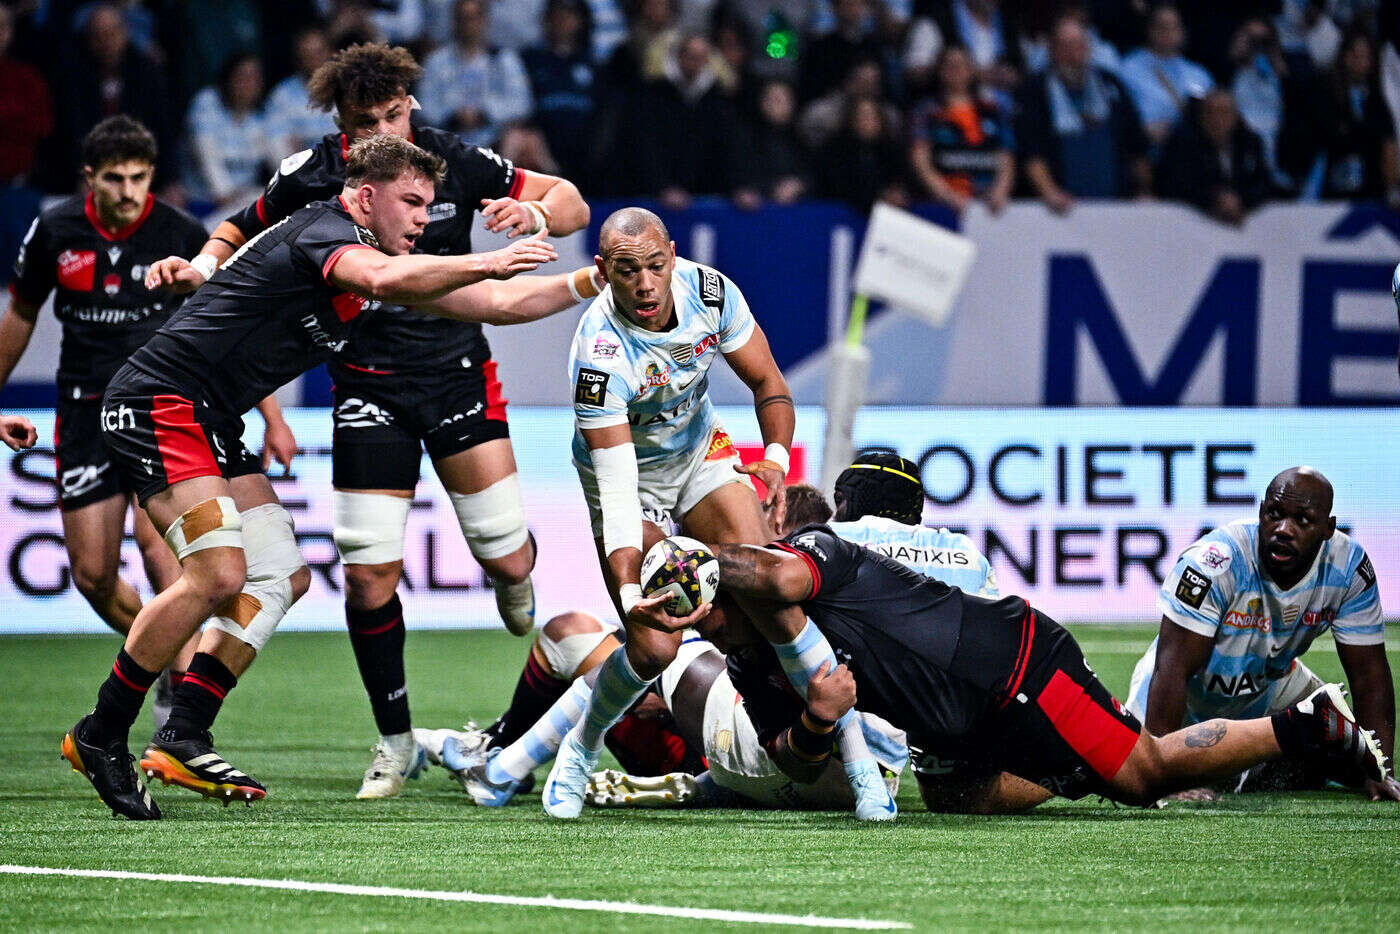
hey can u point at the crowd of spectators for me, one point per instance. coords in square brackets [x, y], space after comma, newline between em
[1222, 105]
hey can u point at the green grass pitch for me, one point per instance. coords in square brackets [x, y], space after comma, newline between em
[300, 723]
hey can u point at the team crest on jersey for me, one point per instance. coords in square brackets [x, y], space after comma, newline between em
[114, 254]
[656, 376]
[1192, 588]
[721, 447]
[591, 387]
[1214, 559]
[685, 354]
[111, 283]
[77, 269]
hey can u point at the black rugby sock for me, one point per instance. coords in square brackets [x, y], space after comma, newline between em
[377, 637]
[1289, 730]
[535, 693]
[120, 698]
[199, 696]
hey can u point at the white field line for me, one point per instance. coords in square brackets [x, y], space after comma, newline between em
[546, 901]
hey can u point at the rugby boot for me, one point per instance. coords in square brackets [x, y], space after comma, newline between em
[473, 771]
[392, 765]
[612, 788]
[469, 738]
[516, 604]
[109, 765]
[573, 766]
[1332, 737]
[873, 799]
[192, 763]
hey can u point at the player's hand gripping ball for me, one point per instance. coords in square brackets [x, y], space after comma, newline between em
[684, 569]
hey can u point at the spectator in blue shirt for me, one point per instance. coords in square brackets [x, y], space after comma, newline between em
[1163, 81]
[291, 120]
[470, 88]
[229, 144]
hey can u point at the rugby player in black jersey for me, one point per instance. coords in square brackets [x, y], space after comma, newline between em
[408, 382]
[997, 683]
[91, 252]
[285, 302]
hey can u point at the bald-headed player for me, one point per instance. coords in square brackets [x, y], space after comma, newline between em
[1247, 600]
[649, 447]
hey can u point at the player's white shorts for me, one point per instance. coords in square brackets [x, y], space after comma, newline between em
[739, 763]
[668, 489]
[1297, 684]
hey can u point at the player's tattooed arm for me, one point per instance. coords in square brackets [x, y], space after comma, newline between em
[751, 571]
[778, 399]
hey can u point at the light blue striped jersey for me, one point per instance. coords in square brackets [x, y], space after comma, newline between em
[656, 381]
[1218, 590]
[945, 556]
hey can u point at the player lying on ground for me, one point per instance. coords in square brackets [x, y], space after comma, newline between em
[405, 382]
[648, 444]
[172, 419]
[882, 501]
[1245, 602]
[995, 682]
[91, 252]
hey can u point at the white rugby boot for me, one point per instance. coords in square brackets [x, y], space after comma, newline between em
[395, 761]
[573, 766]
[612, 788]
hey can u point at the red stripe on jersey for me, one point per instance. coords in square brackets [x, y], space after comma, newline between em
[335, 257]
[366, 369]
[517, 184]
[811, 566]
[184, 450]
[1023, 656]
[261, 210]
[1100, 739]
[495, 402]
[90, 209]
[344, 146]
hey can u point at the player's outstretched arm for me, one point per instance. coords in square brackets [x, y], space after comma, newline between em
[547, 202]
[1373, 696]
[763, 574]
[1180, 654]
[416, 279]
[521, 300]
[772, 401]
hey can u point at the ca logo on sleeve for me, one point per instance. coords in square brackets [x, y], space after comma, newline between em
[1192, 588]
[591, 387]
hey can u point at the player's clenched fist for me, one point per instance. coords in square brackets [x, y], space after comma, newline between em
[17, 432]
[831, 693]
[525, 256]
[175, 274]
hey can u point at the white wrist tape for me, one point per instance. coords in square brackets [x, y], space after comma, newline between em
[615, 470]
[207, 264]
[538, 213]
[582, 284]
[629, 595]
[778, 454]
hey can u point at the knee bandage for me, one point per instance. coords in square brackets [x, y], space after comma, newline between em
[273, 557]
[493, 521]
[214, 523]
[369, 527]
[566, 654]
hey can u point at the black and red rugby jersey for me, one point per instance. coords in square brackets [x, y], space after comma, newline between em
[97, 277]
[398, 338]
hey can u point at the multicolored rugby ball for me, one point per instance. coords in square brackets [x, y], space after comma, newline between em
[683, 568]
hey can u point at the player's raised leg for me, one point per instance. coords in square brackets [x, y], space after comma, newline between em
[182, 751]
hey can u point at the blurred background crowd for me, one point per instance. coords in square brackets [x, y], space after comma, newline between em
[1222, 104]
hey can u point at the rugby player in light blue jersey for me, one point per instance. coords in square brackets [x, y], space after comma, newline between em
[649, 446]
[1247, 600]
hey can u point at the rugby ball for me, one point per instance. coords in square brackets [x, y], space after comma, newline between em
[685, 570]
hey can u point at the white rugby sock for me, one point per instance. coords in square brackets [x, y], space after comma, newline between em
[801, 659]
[616, 689]
[541, 741]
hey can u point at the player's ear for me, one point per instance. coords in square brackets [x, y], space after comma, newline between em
[673, 249]
[602, 266]
[1331, 526]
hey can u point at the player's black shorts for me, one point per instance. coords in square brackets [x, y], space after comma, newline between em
[158, 440]
[383, 421]
[85, 471]
[1056, 724]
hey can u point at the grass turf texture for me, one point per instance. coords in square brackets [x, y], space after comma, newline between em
[300, 723]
